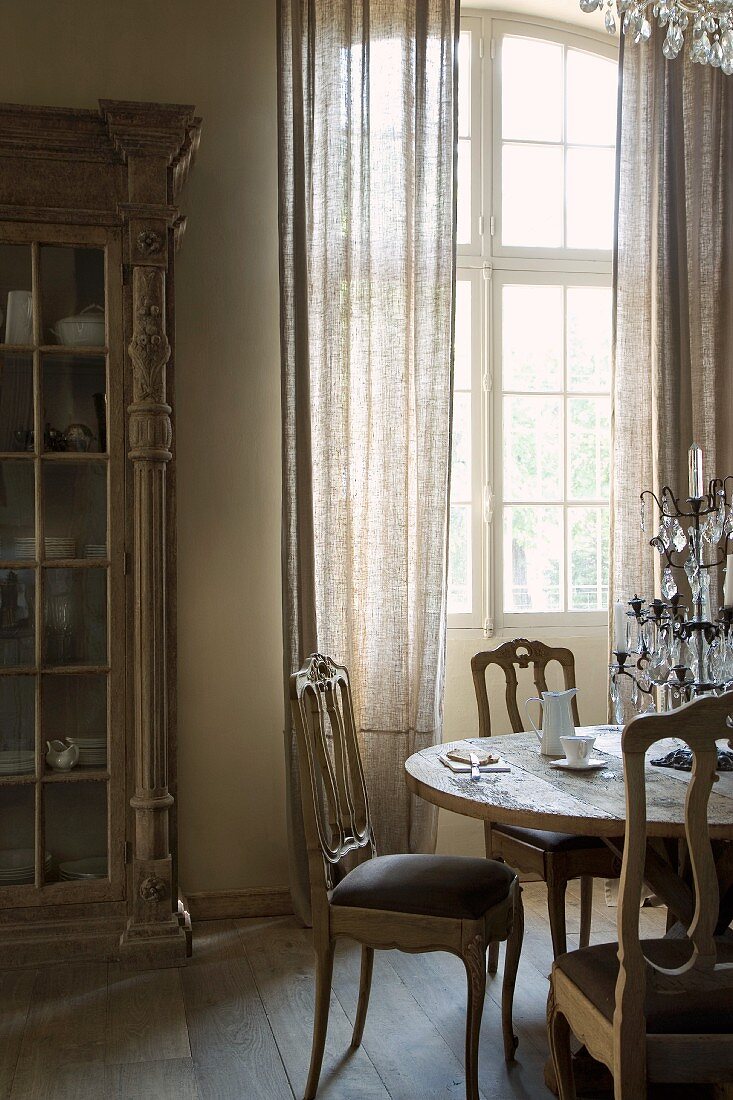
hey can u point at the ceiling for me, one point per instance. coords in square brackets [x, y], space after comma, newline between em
[567, 11]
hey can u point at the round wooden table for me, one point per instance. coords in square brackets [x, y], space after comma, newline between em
[535, 795]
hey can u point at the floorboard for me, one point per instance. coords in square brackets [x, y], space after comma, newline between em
[282, 961]
[146, 1016]
[233, 1048]
[16, 991]
[65, 1028]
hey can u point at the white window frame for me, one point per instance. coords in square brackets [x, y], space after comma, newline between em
[489, 265]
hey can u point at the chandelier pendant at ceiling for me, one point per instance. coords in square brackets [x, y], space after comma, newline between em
[707, 25]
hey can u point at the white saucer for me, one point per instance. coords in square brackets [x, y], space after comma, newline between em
[591, 766]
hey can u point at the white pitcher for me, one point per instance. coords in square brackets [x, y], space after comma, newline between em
[557, 720]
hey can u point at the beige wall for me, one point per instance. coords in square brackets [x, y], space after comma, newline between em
[221, 57]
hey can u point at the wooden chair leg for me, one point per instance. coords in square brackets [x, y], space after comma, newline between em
[474, 960]
[365, 984]
[558, 1036]
[556, 907]
[324, 972]
[586, 908]
[494, 945]
[511, 965]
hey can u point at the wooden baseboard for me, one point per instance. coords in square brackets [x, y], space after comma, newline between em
[229, 904]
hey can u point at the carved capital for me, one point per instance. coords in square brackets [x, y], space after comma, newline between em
[151, 433]
[149, 348]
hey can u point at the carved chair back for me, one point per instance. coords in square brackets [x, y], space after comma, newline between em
[699, 724]
[519, 653]
[333, 789]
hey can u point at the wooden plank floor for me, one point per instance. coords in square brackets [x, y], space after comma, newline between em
[235, 1024]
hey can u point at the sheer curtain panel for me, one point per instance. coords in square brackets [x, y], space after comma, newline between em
[367, 105]
[674, 291]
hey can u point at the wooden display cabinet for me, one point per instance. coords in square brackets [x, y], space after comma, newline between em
[88, 228]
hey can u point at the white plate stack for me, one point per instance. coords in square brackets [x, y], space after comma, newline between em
[92, 751]
[17, 866]
[95, 550]
[24, 549]
[17, 761]
[78, 870]
[60, 548]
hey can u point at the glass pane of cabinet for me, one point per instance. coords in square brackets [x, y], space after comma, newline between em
[17, 618]
[17, 835]
[75, 617]
[17, 511]
[75, 822]
[18, 725]
[74, 510]
[72, 296]
[74, 404]
[16, 297]
[16, 401]
[75, 707]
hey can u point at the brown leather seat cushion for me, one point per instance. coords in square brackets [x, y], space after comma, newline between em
[547, 841]
[594, 971]
[438, 886]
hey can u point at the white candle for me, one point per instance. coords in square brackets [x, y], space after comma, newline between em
[728, 585]
[619, 628]
[695, 470]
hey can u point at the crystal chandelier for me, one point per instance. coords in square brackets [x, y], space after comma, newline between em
[710, 23]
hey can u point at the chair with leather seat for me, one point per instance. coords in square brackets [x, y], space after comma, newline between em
[557, 858]
[411, 902]
[655, 1010]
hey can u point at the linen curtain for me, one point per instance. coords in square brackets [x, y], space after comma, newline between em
[367, 144]
[674, 292]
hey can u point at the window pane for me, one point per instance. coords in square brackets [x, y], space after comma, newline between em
[589, 433]
[590, 195]
[532, 337]
[459, 561]
[589, 338]
[464, 191]
[532, 196]
[533, 448]
[592, 99]
[531, 90]
[464, 343]
[588, 537]
[464, 85]
[533, 559]
[461, 462]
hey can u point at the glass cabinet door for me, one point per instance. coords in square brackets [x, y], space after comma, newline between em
[61, 592]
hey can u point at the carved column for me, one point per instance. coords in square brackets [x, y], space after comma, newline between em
[156, 160]
[150, 442]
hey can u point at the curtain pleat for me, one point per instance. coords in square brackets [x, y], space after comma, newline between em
[673, 289]
[367, 110]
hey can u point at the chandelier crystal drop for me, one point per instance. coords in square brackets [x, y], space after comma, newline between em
[707, 25]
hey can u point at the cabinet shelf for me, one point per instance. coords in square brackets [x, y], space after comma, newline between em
[76, 775]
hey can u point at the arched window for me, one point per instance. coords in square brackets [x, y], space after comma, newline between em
[531, 426]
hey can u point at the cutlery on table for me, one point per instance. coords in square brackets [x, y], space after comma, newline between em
[475, 771]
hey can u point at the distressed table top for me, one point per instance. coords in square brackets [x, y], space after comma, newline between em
[535, 795]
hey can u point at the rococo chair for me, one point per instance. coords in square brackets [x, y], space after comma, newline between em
[655, 1010]
[411, 902]
[557, 858]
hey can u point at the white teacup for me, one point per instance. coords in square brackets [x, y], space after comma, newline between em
[578, 750]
